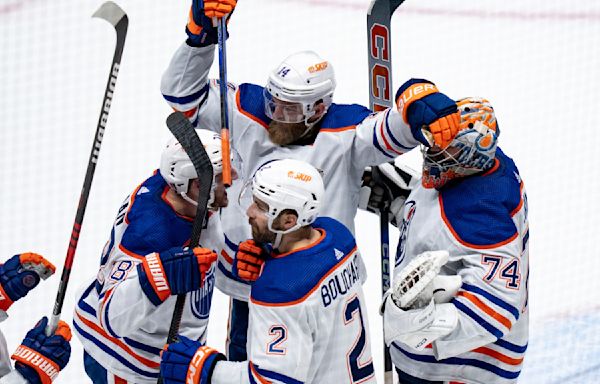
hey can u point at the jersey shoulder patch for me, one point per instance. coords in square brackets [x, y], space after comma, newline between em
[290, 279]
[153, 226]
[250, 102]
[340, 117]
[478, 210]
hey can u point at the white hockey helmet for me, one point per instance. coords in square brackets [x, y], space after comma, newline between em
[289, 184]
[301, 80]
[177, 168]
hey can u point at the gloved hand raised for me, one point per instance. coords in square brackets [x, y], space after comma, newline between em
[433, 117]
[248, 261]
[201, 28]
[20, 274]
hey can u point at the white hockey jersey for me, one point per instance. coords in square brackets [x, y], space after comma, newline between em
[114, 320]
[482, 222]
[308, 319]
[7, 374]
[350, 138]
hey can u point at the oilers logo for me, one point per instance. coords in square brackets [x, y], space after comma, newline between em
[200, 299]
[409, 212]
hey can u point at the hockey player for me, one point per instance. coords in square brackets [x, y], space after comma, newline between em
[468, 221]
[39, 358]
[308, 320]
[122, 318]
[292, 116]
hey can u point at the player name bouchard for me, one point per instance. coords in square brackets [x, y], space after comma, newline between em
[339, 283]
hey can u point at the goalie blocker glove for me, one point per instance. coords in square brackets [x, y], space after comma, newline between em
[188, 361]
[200, 29]
[173, 272]
[386, 186]
[19, 275]
[40, 358]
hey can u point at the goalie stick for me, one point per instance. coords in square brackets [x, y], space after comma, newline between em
[184, 132]
[380, 97]
[112, 13]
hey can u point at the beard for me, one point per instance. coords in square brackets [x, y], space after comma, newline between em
[285, 133]
[262, 236]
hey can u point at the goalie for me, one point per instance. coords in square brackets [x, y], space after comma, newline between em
[458, 308]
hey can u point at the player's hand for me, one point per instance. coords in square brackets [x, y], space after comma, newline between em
[433, 117]
[173, 272]
[386, 186]
[248, 261]
[187, 361]
[40, 358]
[20, 274]
[200, 28]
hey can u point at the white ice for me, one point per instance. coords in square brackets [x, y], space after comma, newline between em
[538, 61]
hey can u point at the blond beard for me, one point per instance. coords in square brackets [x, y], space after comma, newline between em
[285, 133]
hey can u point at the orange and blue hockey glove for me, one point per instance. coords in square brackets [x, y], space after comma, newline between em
[40, 358]
[433, 117]
[200, 28]
[188, 361]
[173, 272]
[249, 260]
[20, 274]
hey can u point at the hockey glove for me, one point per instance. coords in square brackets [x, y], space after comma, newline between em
[249, 260]
[200, 28]
[187, 361]
[20, 274]
[173, 272]
[40, 358]
[433, 117]
[386, 186]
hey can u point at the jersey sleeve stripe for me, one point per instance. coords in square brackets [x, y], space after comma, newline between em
[376, 144]
[275, 376]
[231, 244]
[510, 346]
[226, 256]
[486, 309]
[499, 356]
[385, 141]
[182, 100]
[228, 273]
[114, 354]
[104, 310]
[254, 376]
[391, 135]
[478, 319]
[461, 361]
[499, 302]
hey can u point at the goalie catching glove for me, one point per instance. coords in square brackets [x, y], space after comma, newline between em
[418, 311]
[386, 186]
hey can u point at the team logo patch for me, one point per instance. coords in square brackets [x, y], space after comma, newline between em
[201, 298]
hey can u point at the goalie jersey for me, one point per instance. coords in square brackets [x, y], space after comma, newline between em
[114, 320]
[350, 138]
[482, 221]
[308, 319]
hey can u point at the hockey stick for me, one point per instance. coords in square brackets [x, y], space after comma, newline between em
[184, 132]
[225, 150]
[112, 13]
[380, 97]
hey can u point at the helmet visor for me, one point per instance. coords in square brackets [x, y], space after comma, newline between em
[282, 111]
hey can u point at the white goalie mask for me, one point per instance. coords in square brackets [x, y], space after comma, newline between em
[289, 184]
[293, 88]
[177, 168]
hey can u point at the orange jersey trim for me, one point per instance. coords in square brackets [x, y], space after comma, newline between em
[341, 129]
[226, 257]
[303, 248]
[143, 360]
[518, 208]
[129, 253]
[261, 379]
[163, 196]
[387, 144]
[312, 289]
[131, 200]
[493, 169]
[248, 115]
[485, 308]
[498, 356]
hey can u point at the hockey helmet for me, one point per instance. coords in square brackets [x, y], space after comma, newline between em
[293, 88]
[473, 149]
[177, 168]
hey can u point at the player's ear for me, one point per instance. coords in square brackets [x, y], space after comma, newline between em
[289, 219]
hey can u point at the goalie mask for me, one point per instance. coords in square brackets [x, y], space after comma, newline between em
[473, 149]
[177, 168]
[296, 85]
[289, 185]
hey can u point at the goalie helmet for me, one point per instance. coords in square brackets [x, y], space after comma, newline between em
[177, 168]
[289, 184]
[473, 150]
[293, 88]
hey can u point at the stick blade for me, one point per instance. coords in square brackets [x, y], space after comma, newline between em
[110, 12]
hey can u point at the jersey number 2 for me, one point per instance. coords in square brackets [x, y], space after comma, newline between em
[357, 372]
